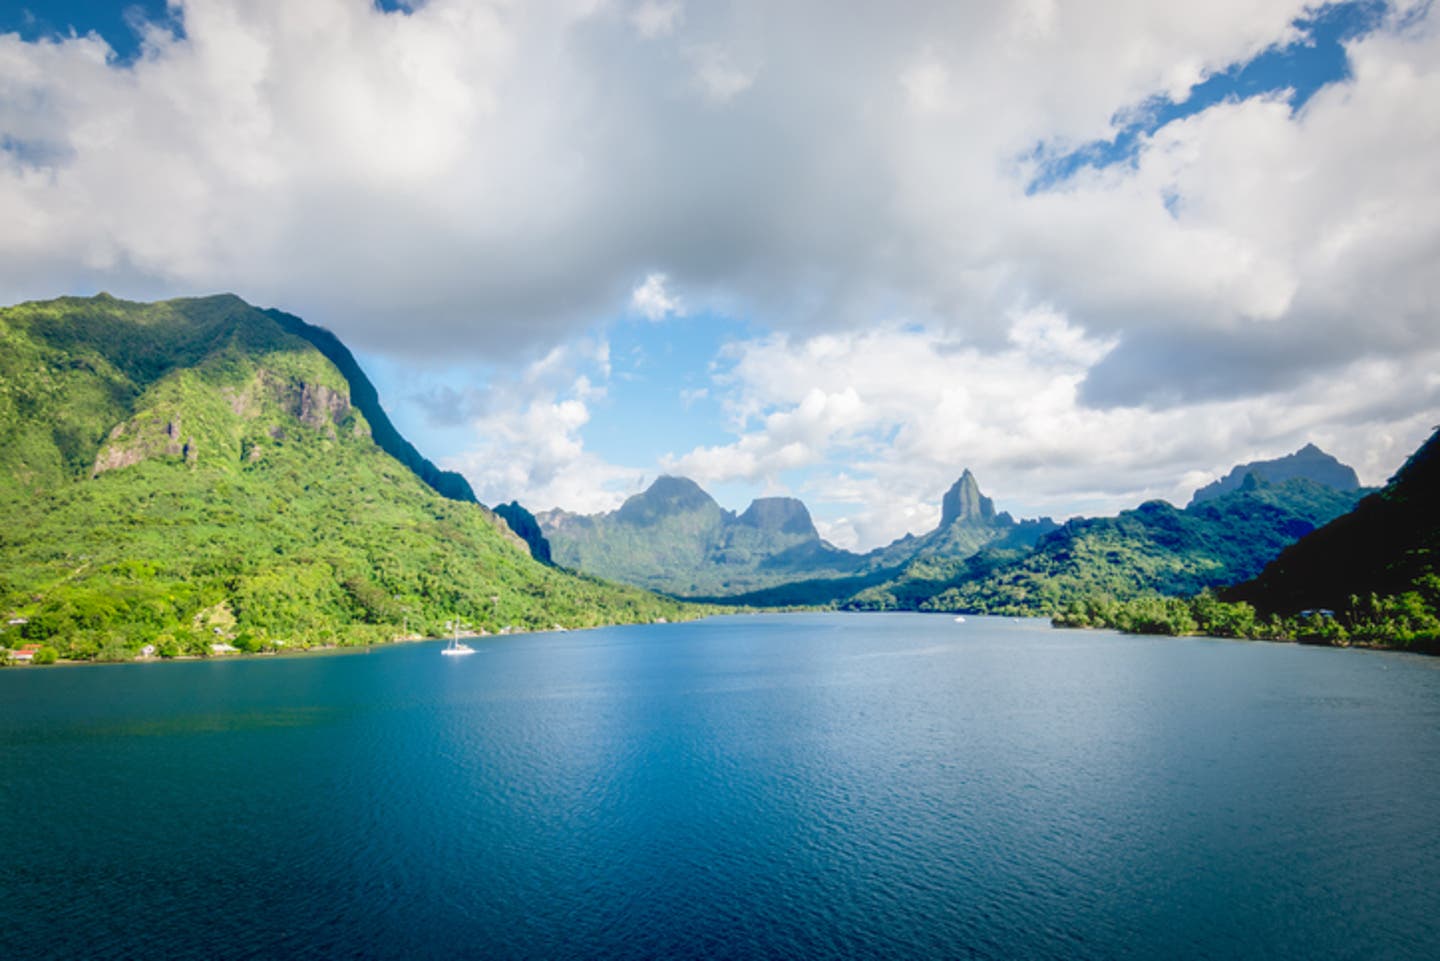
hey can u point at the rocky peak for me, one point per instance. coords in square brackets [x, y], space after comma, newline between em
[784, 515]
[667, 497]
[964, 502]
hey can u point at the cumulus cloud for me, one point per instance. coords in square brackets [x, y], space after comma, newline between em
[527, 427]
[654, 300]
[890, 417]
[485, 180]
[490, 176]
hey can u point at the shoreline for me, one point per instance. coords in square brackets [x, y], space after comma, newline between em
[1297, 641]
[349, 649]
[332, 649]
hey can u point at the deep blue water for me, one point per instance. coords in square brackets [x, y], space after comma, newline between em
[803, 786]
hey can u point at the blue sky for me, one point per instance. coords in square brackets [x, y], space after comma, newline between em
[1299, 68]
[1095, 256]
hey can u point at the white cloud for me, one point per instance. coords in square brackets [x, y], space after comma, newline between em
[527, 439]
[894, 415]
[487, 177]
[719, 77]
[483, 180]
[654, 300]
[656, 18]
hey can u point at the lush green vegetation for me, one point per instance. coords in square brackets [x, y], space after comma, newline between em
[1387, 546]
[1154, 550]
[673, 537]
[1368, 578]
[1309, 463]
[188, 473]
[1407, 621]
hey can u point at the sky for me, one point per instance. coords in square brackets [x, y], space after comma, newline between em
[1096, 253]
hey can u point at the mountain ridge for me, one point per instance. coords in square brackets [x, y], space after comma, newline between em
[1309, 462]
[771, 553]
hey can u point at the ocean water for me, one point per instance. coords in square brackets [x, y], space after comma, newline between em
[788, 786]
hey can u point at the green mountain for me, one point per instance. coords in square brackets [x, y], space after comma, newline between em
[921, 567]
[1367, 578]
[673, 537]
[1309, 463]
[193, 470]
[1388, 546]
[364, 396]
[1155, 549]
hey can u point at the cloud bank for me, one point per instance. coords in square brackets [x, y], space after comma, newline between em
[485, 180]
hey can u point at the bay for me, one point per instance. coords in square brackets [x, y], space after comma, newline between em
[776, 786]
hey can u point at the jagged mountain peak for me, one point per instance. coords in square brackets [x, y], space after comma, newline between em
[964, 502]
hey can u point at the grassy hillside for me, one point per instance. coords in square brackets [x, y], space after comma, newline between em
[181, 472]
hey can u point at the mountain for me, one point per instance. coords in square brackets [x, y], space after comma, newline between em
[364, 396]
[1388, 546]
[674, 537]
[928, 564]
[1309, 462]
[527, 528]
[178, 472]
[1154, 549]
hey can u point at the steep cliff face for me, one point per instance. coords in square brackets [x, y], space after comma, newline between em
[527, 528]
[779, 515]
[964, 502]
[928, 564]
[446, 483]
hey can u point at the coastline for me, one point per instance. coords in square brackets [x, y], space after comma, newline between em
[331, 649]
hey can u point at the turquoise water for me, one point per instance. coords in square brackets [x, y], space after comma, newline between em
[801, 786]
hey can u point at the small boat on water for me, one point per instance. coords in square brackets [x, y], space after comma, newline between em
[959, 620]
[455, 648]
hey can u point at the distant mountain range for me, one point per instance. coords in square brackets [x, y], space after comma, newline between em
[1155, 548]
[676, 539]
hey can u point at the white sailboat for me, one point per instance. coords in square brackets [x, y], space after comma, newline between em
[455, 648]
